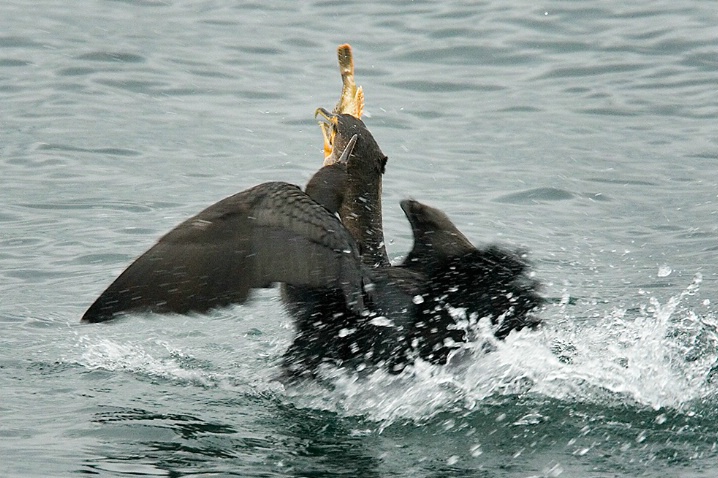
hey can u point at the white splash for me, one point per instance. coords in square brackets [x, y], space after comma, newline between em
[664, 357]
[661, 356]
[109, 355]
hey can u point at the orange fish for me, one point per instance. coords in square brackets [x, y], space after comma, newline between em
[351, 100]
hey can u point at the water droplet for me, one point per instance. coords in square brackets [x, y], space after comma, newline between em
[418, 299]
[555, 470]
[530, 419]
[345, 332]
[452, 460]
[664, 270]
[581, 451]
[381, 321]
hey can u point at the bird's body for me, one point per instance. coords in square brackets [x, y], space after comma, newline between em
[350, 307]
[421, 308]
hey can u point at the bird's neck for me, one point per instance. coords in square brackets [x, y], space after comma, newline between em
[362, 216]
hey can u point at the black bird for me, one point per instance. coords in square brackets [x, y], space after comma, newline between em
[423, 308]
[350, 307]
[463, 284]
[270, 233]
[327, 330]
[360, 210]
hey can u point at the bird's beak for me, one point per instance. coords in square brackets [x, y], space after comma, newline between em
[328, 126]
[347, 151]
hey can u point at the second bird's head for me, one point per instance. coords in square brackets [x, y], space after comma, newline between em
[338, 130]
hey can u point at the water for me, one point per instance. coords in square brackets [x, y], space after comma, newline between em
[584, 131]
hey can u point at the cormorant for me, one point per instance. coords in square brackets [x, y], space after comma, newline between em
[350, 307]
[422, 308]
[463, 284]
[270, 233]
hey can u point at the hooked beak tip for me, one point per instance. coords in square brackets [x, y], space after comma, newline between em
[324, 113]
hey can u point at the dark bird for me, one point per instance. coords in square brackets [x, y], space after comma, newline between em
[351, 308]
[464, 284]
[270, 233]
[423, 308]
[328, 331]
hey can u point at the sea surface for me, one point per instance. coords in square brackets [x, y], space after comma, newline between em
[585, 132]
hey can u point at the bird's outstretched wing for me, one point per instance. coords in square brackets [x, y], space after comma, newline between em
[270, 233]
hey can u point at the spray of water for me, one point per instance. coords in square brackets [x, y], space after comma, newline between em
[663, 355]
[659, 355]
[106, 354]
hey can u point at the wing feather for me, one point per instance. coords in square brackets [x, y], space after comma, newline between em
[270, 233]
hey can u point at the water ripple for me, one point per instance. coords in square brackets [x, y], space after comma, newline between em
[108, 151]
[113, 57]
[537, 195]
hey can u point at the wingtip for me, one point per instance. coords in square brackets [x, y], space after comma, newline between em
[95, 315]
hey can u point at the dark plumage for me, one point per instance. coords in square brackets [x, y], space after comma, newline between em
[360, 210]
[328, 331]
[463, 284]
[423, 308]
[270, 233]
[350, 307]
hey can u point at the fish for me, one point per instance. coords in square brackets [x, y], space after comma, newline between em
[351, 99]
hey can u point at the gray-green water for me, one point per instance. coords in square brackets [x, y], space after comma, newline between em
[584, 131]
